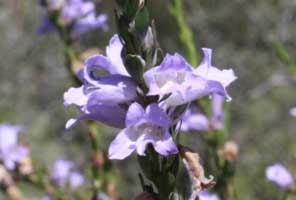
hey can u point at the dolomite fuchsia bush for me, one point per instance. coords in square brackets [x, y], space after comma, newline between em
[153, 99]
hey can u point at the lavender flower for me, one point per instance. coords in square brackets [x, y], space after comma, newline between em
[45, 197]
[194, 120]
[102, 196]
[62, 174]
[76, 179]
[143, 127]
[103, 97]
[78, 15]
[278, 174]
[293, 112]
[217, 120]
[10, 151]
[211, 73]
[204, 195]
[176, 77]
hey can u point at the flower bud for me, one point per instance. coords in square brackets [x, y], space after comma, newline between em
[99, 159]
[111, 191]
[230, 151]
[25, 166]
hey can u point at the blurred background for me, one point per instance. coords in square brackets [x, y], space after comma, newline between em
[241, 33]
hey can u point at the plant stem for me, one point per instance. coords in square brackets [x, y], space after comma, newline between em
[185, 33]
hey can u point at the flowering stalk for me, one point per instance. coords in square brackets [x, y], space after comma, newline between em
[71, 19]
[139, 53]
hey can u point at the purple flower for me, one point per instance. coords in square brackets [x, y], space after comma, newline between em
[217, 120]
[211, 73]
[204, 195]
[103, 97]
[176, 77]
[79, 15]
[46, 197]
[143, 127]
[293, 112]
[76, 179]
[10, 151]
[102, 196]
[194, 120]
[62, 174]
[278, 174]
[112, 62]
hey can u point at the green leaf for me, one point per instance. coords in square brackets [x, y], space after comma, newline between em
[142, 21]
[131, 9]
[135, 67]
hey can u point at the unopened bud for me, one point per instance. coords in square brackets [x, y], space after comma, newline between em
[25, 166]
[196, 172]
[99, 159]
[145, 196]
[111, 191]
[230, 151]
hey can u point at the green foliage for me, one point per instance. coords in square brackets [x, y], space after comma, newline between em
[185, 33]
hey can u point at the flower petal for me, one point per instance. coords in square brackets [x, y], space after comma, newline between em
[122, 146]
[46, 27]
[75, 96]
[97, 62]
[278, 174]
[195, 88]
[217, 120]
[165, 145]
[134, 114]
[8, 137]
[207, 71]
[114, 89]
[113, 52]
[106, 113]
[103, 113]
[88, 23]
[157, 116]
[174, 62]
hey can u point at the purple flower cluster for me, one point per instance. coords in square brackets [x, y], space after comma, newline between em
[293, 111]
[10, 151]
[194, 120]
[77, 15]
[204, 195]
[63, 174]
[280, 175]
[111, 96]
